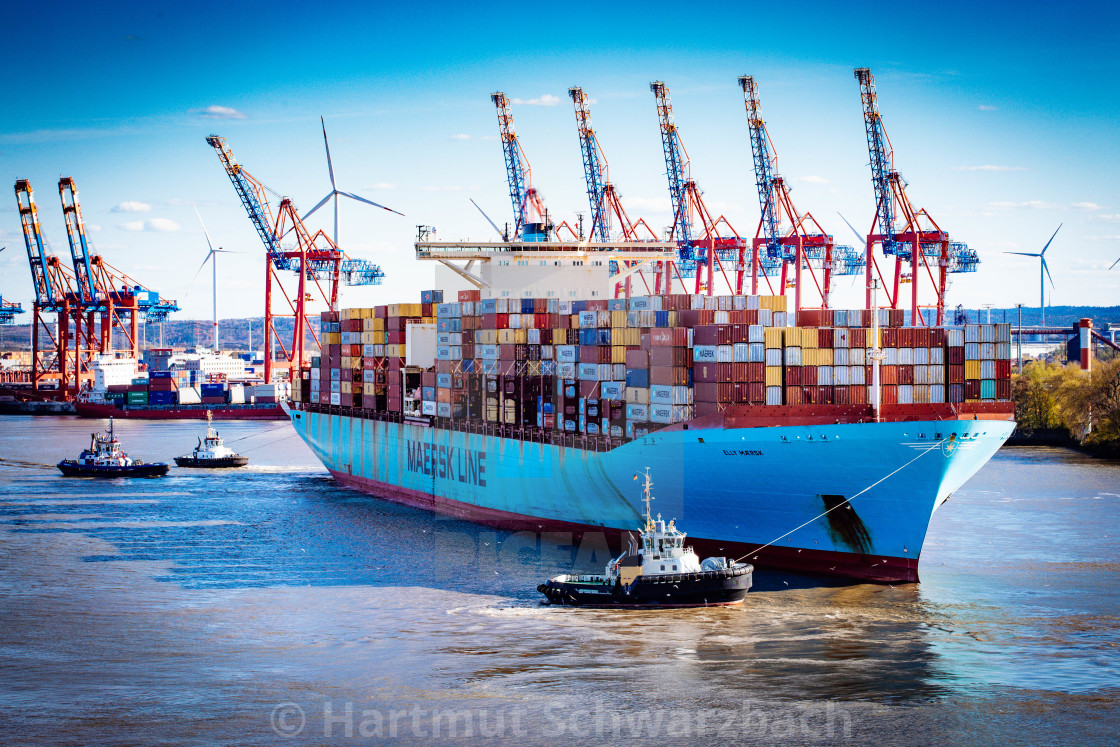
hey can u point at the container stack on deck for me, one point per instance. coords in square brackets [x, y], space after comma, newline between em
[624, 367]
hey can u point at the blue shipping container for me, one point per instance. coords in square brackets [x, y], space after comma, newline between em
[637, 377]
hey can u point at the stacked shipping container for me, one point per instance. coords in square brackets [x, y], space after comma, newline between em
[624, 367]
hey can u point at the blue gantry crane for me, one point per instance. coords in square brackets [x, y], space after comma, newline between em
[530, 219]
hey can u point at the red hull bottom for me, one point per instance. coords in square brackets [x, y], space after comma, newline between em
[875, 568]
[218, 412]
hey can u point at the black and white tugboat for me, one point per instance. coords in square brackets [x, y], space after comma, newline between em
[105, 458]
[661, 572]
[212, 452]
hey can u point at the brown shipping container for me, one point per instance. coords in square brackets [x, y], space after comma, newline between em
[705, 372]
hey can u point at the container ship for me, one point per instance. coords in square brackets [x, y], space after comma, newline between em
[168, 391]
[818, 442]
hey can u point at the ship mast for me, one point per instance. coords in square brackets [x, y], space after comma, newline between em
[646, 498]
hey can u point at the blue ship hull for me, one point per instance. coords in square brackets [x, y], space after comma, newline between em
[736, 489]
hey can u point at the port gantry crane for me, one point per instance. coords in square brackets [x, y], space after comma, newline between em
[55, 371]
[318, 262]
[104, 291]
[605, 202]
[531, 221]
[914, 237]
[9, 310]
[702, 244]
[805, 245]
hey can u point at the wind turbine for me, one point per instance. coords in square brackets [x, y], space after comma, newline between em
[1117, 262]
[335, 191]
[211, 257]
[1043, 273]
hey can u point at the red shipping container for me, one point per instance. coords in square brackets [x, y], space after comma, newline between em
[639, 358]
[888, 375]
[725, 372]
[669, 357]
[661, 337]
[972, 388]
[955, 356]
[706, 392]
[597, 305]
[726, 393]
[840, 395]
[1003, 371]
[793, 375]
[540, 320]
[857, 338]
[793, 396]
[705, 372]
[809, 318]
[757, 393]
[888, 395]
[824, 395]
[956, 373]
[756, 372]
[808, 375]
[1003, 388]
[905, 375]
[705, 408]
[469, 296]
[824, 338]
[738, 392]
[706, 334]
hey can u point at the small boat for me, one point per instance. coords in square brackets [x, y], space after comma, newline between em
[105, 458]
[661, 572]
[212, 452]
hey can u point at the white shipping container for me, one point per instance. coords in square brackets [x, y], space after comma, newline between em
[857, 356]
[661, 395]
[921, 356]
[890, 356]
[682, 395]
[825, 375]
[792, 356]
[857, 375]
[841, 376]
[420, 345]
[756, 333]
[773, 356]
[567, 353]
[840, 338]
[336, 398]
[839, 355]
[725, 353]
[937, 393]
[972, 351]
[905, 394]
[756, 352]
[855, 317]
[722, 317]
[704, 354]
[637, 412]
[766, 317]
[443, 409]
[188, 395]
[636, 396]
[427, 407]
[987, 333]
[971, 333]
[906, 356]
[566, 370]
[937, 374]
[1003, 351]
[724, 305]
[612, 389]
[1003, 333]
[987, 351]
[937, 356]
[753, 302]
[987, 369]
[782, 319]
[956, 338]
[773, 395]
[739, 303]
[921, 374]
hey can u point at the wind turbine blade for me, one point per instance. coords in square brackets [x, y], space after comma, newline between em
[204, 232]
[487, 217]
[1047, 270]
[1024, 254]
[209, 255]
[330, 166]
[322, 202]
[1059, 228]
[859, 238]
[353, 196]
[1117, 262]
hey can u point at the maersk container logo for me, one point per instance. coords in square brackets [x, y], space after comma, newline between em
[448, 462]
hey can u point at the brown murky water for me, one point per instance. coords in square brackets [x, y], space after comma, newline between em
[269, 604]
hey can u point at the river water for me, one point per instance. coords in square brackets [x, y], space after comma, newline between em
[269, 605]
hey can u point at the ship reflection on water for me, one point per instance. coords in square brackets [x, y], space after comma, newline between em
[190, 608]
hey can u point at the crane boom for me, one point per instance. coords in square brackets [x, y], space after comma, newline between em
[33, 239]
[765, 167]
[76, 235]
[252, 195]
[882, 159]
[594, 167]
[676, 167]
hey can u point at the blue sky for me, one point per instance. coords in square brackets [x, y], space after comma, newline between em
[1004, 121]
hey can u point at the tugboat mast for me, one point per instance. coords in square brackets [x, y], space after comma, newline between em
[646, 498]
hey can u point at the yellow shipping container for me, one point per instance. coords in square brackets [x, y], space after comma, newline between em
[618, 353]
[505, 337]
[367, 314]
[394, 309]
[346, 387]
[378, 325]
[773, 376]
[344, 315]
[972, 369]
[618, 319]
[772, 336]
[520, 336]
[345, 362]
[824, 356]
[369, 390]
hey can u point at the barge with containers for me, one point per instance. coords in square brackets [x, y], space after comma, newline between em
[767, 430]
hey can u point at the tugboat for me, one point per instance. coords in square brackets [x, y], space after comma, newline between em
[104, 458]
[212, 452]
[661, 573]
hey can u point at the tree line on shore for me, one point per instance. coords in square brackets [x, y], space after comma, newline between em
[1050, 396]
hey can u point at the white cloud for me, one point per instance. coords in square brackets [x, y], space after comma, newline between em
[1086, 206]
[461, 136]
[811, 179]
[989, 167]
[652, 204]
[546, 100]
[220, 112]
[1029, 204]
[1113, 218]
[157, 225]
[131, 206]
[93, 226]
[441, 189]
[381, 185]
[1102, 238]
[987, 108]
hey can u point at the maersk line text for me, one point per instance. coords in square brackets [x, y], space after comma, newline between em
[449, 462]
